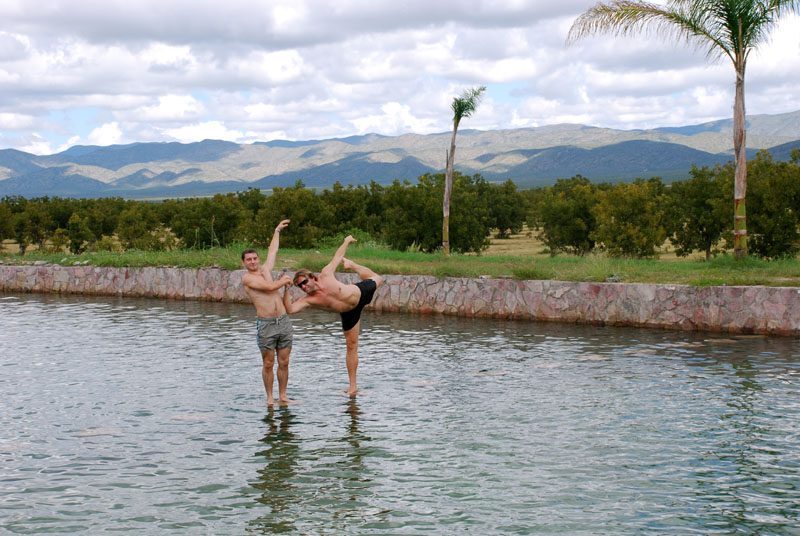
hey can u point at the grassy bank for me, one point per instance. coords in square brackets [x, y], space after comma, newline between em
[522, 262]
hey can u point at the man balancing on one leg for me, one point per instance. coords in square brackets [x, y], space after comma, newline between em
[326, 292]
[274, 326]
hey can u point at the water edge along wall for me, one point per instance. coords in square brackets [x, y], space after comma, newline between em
[734, 309]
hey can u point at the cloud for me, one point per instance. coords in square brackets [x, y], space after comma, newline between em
[210, 130]
[107, 134]
[259, 69]
[169, 108]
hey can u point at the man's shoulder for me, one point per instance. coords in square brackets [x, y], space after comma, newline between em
[249, 278]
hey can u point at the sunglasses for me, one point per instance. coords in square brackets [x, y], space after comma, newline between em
[302, 283]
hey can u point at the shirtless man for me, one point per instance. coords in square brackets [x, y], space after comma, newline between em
[326, 292]
[274, 326]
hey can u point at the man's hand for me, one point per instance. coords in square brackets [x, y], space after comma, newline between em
[349, 239]
[285, 280]
[282, 225]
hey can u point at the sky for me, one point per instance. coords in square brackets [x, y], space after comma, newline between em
[103, 72]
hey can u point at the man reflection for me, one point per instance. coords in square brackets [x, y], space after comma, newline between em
[281, 449]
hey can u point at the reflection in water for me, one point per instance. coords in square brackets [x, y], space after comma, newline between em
[741, 458]
[281, 449]
[336, 472]
[148, 416]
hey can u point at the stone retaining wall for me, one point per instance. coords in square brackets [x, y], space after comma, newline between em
[767, 310]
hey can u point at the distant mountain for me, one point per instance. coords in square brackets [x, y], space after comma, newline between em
[762, 125]
[529, 156]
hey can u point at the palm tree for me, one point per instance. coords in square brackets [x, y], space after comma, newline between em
[463, 106]
[731, 28]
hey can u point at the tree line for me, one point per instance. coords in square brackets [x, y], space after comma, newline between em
[402, 215]
[572, 216]
[697, 214]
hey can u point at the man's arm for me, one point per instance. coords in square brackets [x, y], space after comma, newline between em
[272, 254]
[338, 256]
[293, 307]
[259, 283]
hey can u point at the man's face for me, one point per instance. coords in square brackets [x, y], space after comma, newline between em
[251, 262]
[307, 284]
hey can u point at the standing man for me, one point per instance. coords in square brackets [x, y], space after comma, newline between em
[274, 326]
[326, 292]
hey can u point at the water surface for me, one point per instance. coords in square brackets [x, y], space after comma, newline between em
[150, 416]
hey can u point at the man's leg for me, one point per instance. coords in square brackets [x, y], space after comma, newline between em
[351, 338]
[283, 373]
[362, 271]
[268, 358]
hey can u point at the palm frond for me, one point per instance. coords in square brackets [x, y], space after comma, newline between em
[465, 104]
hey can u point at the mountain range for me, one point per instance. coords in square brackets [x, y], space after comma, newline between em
[529, 156]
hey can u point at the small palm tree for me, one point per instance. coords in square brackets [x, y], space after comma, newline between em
[463, 106]
[731, 28]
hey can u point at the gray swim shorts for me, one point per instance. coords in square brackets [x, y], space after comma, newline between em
[274, 332]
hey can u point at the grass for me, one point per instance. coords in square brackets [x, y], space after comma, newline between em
[518, 257]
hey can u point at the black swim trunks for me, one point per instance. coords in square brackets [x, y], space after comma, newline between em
[351, 317]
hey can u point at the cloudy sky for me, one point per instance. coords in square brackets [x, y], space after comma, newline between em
[103, 72]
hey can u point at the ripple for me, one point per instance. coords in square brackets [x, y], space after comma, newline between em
[150, 416]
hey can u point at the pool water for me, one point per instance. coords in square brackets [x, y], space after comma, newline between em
[150, 416]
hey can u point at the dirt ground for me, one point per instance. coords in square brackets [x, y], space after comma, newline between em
[524, 244]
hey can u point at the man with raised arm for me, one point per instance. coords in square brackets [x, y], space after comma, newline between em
[273, 325]
[326, 292]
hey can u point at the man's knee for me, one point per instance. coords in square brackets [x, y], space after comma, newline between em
[268, 357]
[378, 281]
[283, 359]
[351, 340]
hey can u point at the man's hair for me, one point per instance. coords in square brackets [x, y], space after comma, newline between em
[245, 252]
[301, 273]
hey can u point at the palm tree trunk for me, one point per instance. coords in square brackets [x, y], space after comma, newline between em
[448, 190]
[740, 167]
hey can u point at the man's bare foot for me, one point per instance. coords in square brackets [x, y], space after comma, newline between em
[270, 401]
[347, 264]
[352, 392]
[285, 401]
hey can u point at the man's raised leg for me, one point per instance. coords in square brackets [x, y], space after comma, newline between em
[362, 271]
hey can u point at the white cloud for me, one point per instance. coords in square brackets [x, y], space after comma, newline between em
[169, 108]
[260, 69]
[36, 145]
[210, 130]
[107, 134]
[12, 121]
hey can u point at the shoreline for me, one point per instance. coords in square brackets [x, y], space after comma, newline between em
[731, 309]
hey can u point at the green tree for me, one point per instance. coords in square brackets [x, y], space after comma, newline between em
[5, 222]
[37, 222]
[412, 214]
[698, 211]
[629, 218]
[59, 240]
[774, 202]
[78, 232]
[138, 227]
[353, 208]
[310, 218]
[202, 223]
[251, 200]
[19, 230]
[463, 106]
[566, 216]
[533, 200]
[507, 208]
[731, 28]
